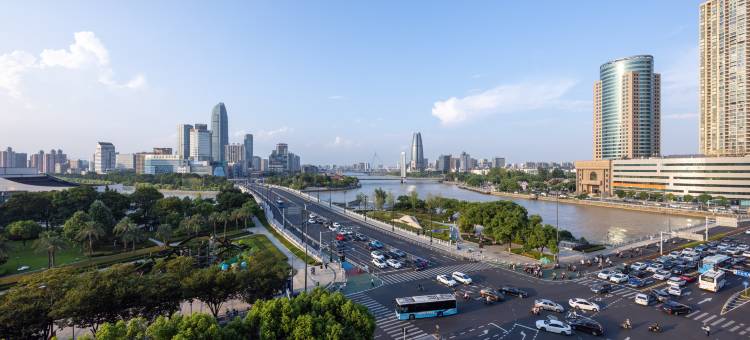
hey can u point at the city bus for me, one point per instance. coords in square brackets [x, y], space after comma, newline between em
[425, 306]
[714, 261]
[712, 280]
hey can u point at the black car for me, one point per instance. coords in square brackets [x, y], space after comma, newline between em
[507, 290]
[639, 273]
[679, 270]
[420, 264]
[587, 325]
[359, 237]
[676, 308]
[661, 295]
[398, 253]
[667, 265]
[601, 288]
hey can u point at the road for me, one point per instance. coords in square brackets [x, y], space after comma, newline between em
[511, 318]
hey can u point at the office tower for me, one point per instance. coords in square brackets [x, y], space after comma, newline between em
[443, 163]
[264, 165]
[256, 163]
[627, 109]
[125, 161]
[162, 151]
[281, 160]
[402, 164]
[36, 161]
[48, 162]
[140, 162]
[465, 161]
[200, 143]
[7, 158]
[498, 162]
[417, 153]
[105, 159]
[183, 140]
[249, 149]
[21, 160]
[219, 132]
[724, 70]
[235, 155]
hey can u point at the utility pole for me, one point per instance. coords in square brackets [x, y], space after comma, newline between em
[304, 239]
[557, 226]
[706, 229]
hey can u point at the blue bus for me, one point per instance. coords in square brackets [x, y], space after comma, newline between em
[425, 306]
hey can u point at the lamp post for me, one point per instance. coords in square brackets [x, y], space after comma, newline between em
[304, 239]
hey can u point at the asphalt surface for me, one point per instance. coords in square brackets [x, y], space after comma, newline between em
[511, 318]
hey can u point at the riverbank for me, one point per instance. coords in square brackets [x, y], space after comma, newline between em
[603, 204]
[318, 189]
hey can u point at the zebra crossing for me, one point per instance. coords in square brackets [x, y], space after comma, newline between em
[617, 289]
[433, 272]
[385, 319]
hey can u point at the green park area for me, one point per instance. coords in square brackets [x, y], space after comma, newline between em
[25, 255]
[260, 243]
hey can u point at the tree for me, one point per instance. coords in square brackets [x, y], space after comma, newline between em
[620, 193]
[74, 224]
[670, 197]
[414, 200]
[630, 193]
[380, 197]
[101, 215]
[144, 198]
[117, 203]
[4, 249]
[688, 198]
[49, 242]
[265, 276]
[722, 201]
[704, 198]
[164, 233]
[213, 286]
[192, 225]
[24, 230]
[89, 232]
[128, 232]
[361, 199]
[214, 218]
[642, 195]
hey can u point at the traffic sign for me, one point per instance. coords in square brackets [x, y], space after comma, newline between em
[745, 283]
[741, 273]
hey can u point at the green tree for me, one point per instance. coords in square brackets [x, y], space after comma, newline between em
[669, 197]
[88, 233]
[144, 198]
[100, 214]
[213, 286]
[630, 193]
[414, 201]
[192, 225]
[214, 218]
[24, 230]
[49, 242]
[74, 224]
[361, 199]
[643, 195]
[117, 203]
[722, 201]
[688, 198]
[380, 197]
[164, 233]
[128, 232]
[704, 198]
[265, 276]
[4, 249]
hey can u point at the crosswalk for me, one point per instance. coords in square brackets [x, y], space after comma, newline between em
[618, 290]
[385, 319]
[433, 272]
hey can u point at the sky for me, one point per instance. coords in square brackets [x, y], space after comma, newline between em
[339, 81]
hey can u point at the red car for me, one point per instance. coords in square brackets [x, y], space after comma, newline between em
[689, 278]
[340, 237]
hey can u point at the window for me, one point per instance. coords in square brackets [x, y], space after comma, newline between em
[592, 176]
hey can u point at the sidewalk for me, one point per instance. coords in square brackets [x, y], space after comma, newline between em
[321, 276]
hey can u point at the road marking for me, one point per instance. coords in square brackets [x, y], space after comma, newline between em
[709, 318]
[717, 321]
[700, 316]
[731, 322]
[523, 335]
[734, 328]
[705, 300]
[692, 314]
[491, 323]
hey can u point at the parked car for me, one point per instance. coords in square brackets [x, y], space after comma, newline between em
[336, 225]
[689, 278]
[340, 237]
[398, 252]
[549, 305]
[644, 299]
[638, 266]
[661, 295]
[446, 280]
[601, 288]
[679, 270]
[379, 263]
[638, 283]
[554, 326]
[662, 275]
[376, 254]
[618, 278]
[508, 290]
[461, 277]
[394, 263]
[583, 304]
[587, 325]
[605, 274]
[675, 290]
[652, 268]
[375, 244]
[675, 308]
[639, 273]
[676, 281]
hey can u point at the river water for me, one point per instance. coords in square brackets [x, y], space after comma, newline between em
[594, 223]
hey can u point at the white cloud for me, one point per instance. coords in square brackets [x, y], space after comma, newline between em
[268, 134]
[508, 99]
[87, 51]
[681, 116]
[341, 142]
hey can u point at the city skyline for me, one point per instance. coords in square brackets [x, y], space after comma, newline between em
[337, 118]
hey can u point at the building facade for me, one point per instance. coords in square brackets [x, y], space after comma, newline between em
[724, 70]
[594, 177]
[200, 143]
[125, 161]
[464, 162]
[248, 142]
[105, 159]
[417, 153]
[498, 162]
[443, 163]
[163, 164]
[219, 132]
[183, 140]
[627, 109]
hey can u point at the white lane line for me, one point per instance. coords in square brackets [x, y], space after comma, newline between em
[709, 318]
[700, 316]
[735, 328]
[717, 321]
[692, 314]
[731, 322]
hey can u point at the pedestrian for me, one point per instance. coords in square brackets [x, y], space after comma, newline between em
[707, 329]
[372, 282]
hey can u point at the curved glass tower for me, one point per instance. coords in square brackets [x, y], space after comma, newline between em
[219, 132]
[417, 153]
[627, 109]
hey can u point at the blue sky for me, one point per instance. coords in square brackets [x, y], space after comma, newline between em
[337, 80]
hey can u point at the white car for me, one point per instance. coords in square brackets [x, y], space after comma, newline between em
[605, 274]
[336, 225]
[312, 215]
[554, 326]
[379, 263]
[743, 247]
[619, 278]
[662, 274]
[376, 254]
[638, 266]
[746, 253]
[674, 254]
[675, 290]
[676, 281]
[747, 231]
[311, 221]
[332, 227]
[394, 263]
[446, 280]
[643, 299]
[583, 304]
[549, 305]
[461, 277]
[654, 267]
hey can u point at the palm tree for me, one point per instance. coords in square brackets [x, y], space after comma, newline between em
[193, 224]
[124, 229]
[244, 214]
[89, 232]
[164, 232]
[50, 242]
[4, 249]
[235, 214]
[214, 217]
[225, 217]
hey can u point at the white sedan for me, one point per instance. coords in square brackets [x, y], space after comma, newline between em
[676, 281]
[379, 263]
[446, 280]
[605, 274]
[583, 304]
[554, 326]
[662, 274]
[619, 278]
[377, 255]
[638, 266]
[336, 225]
[461, 277]
[394, 263]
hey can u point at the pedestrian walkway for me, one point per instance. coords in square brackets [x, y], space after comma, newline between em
[385, 320]
[433, 272]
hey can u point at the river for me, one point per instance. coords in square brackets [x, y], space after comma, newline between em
[594, 223]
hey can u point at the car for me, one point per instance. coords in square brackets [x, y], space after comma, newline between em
[394, 263]
[743, 247]
[336, 225]
[676, 281]
[667, 265]
[583, 304]
[652, 268]
[340, 237]
[701, 248]
[622, 268]
[674, 254]
[746, 253]
[675, 290]
[661, 295]
[376, 254]
[379, 263]
[644, 299]
[311, 221]
[601, 288]
[332, 227]
[689, 278]
[389, 254]
[446, 280]
[638, 283]
[549, 305]
[397, 252]
[491, 294]
[375, 244]
[420, 264]
[312, 215]
[638, 266]
[618, 278]
[679, 270]
[359, 237]
[279, 202]
[733, 251]
[605, 274]
[461, 277]
[747, 231]
[554, 326]
[662, 274]
[508, 290]
[639, 274]
[675, 308]
[587, 325]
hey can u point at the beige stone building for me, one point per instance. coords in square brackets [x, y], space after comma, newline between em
[594, 177]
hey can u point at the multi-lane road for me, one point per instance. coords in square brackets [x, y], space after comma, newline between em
[509, 319]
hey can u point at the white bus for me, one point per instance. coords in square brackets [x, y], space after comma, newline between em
[714, 261]
[425, 306]
[712, 280]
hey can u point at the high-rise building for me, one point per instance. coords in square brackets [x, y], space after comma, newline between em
[498, 162]
[235, 153]
[183, 140]
[37, 161]
[21, 160]
[162, 151]
[105, 159]
[465, 162]
[281, 160]
[627, 109]
[125, 161]
[219, 132]
[417, 153]
[443, 163]
[724, 70]
[256, 163]
[200, 143]
[402, 164]
[249, 149]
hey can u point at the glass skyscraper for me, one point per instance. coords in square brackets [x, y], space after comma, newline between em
[219, 132]
[627, 109]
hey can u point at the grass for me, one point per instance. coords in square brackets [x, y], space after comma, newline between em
[24, 255]
[385, 216]
[531, 253]
[300, 253]
[259, 242]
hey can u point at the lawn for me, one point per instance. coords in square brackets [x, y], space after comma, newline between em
[259, 242]
[20, 255]
[296, 251]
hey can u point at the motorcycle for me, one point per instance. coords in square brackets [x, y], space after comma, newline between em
[655, 328]
[626, 325]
